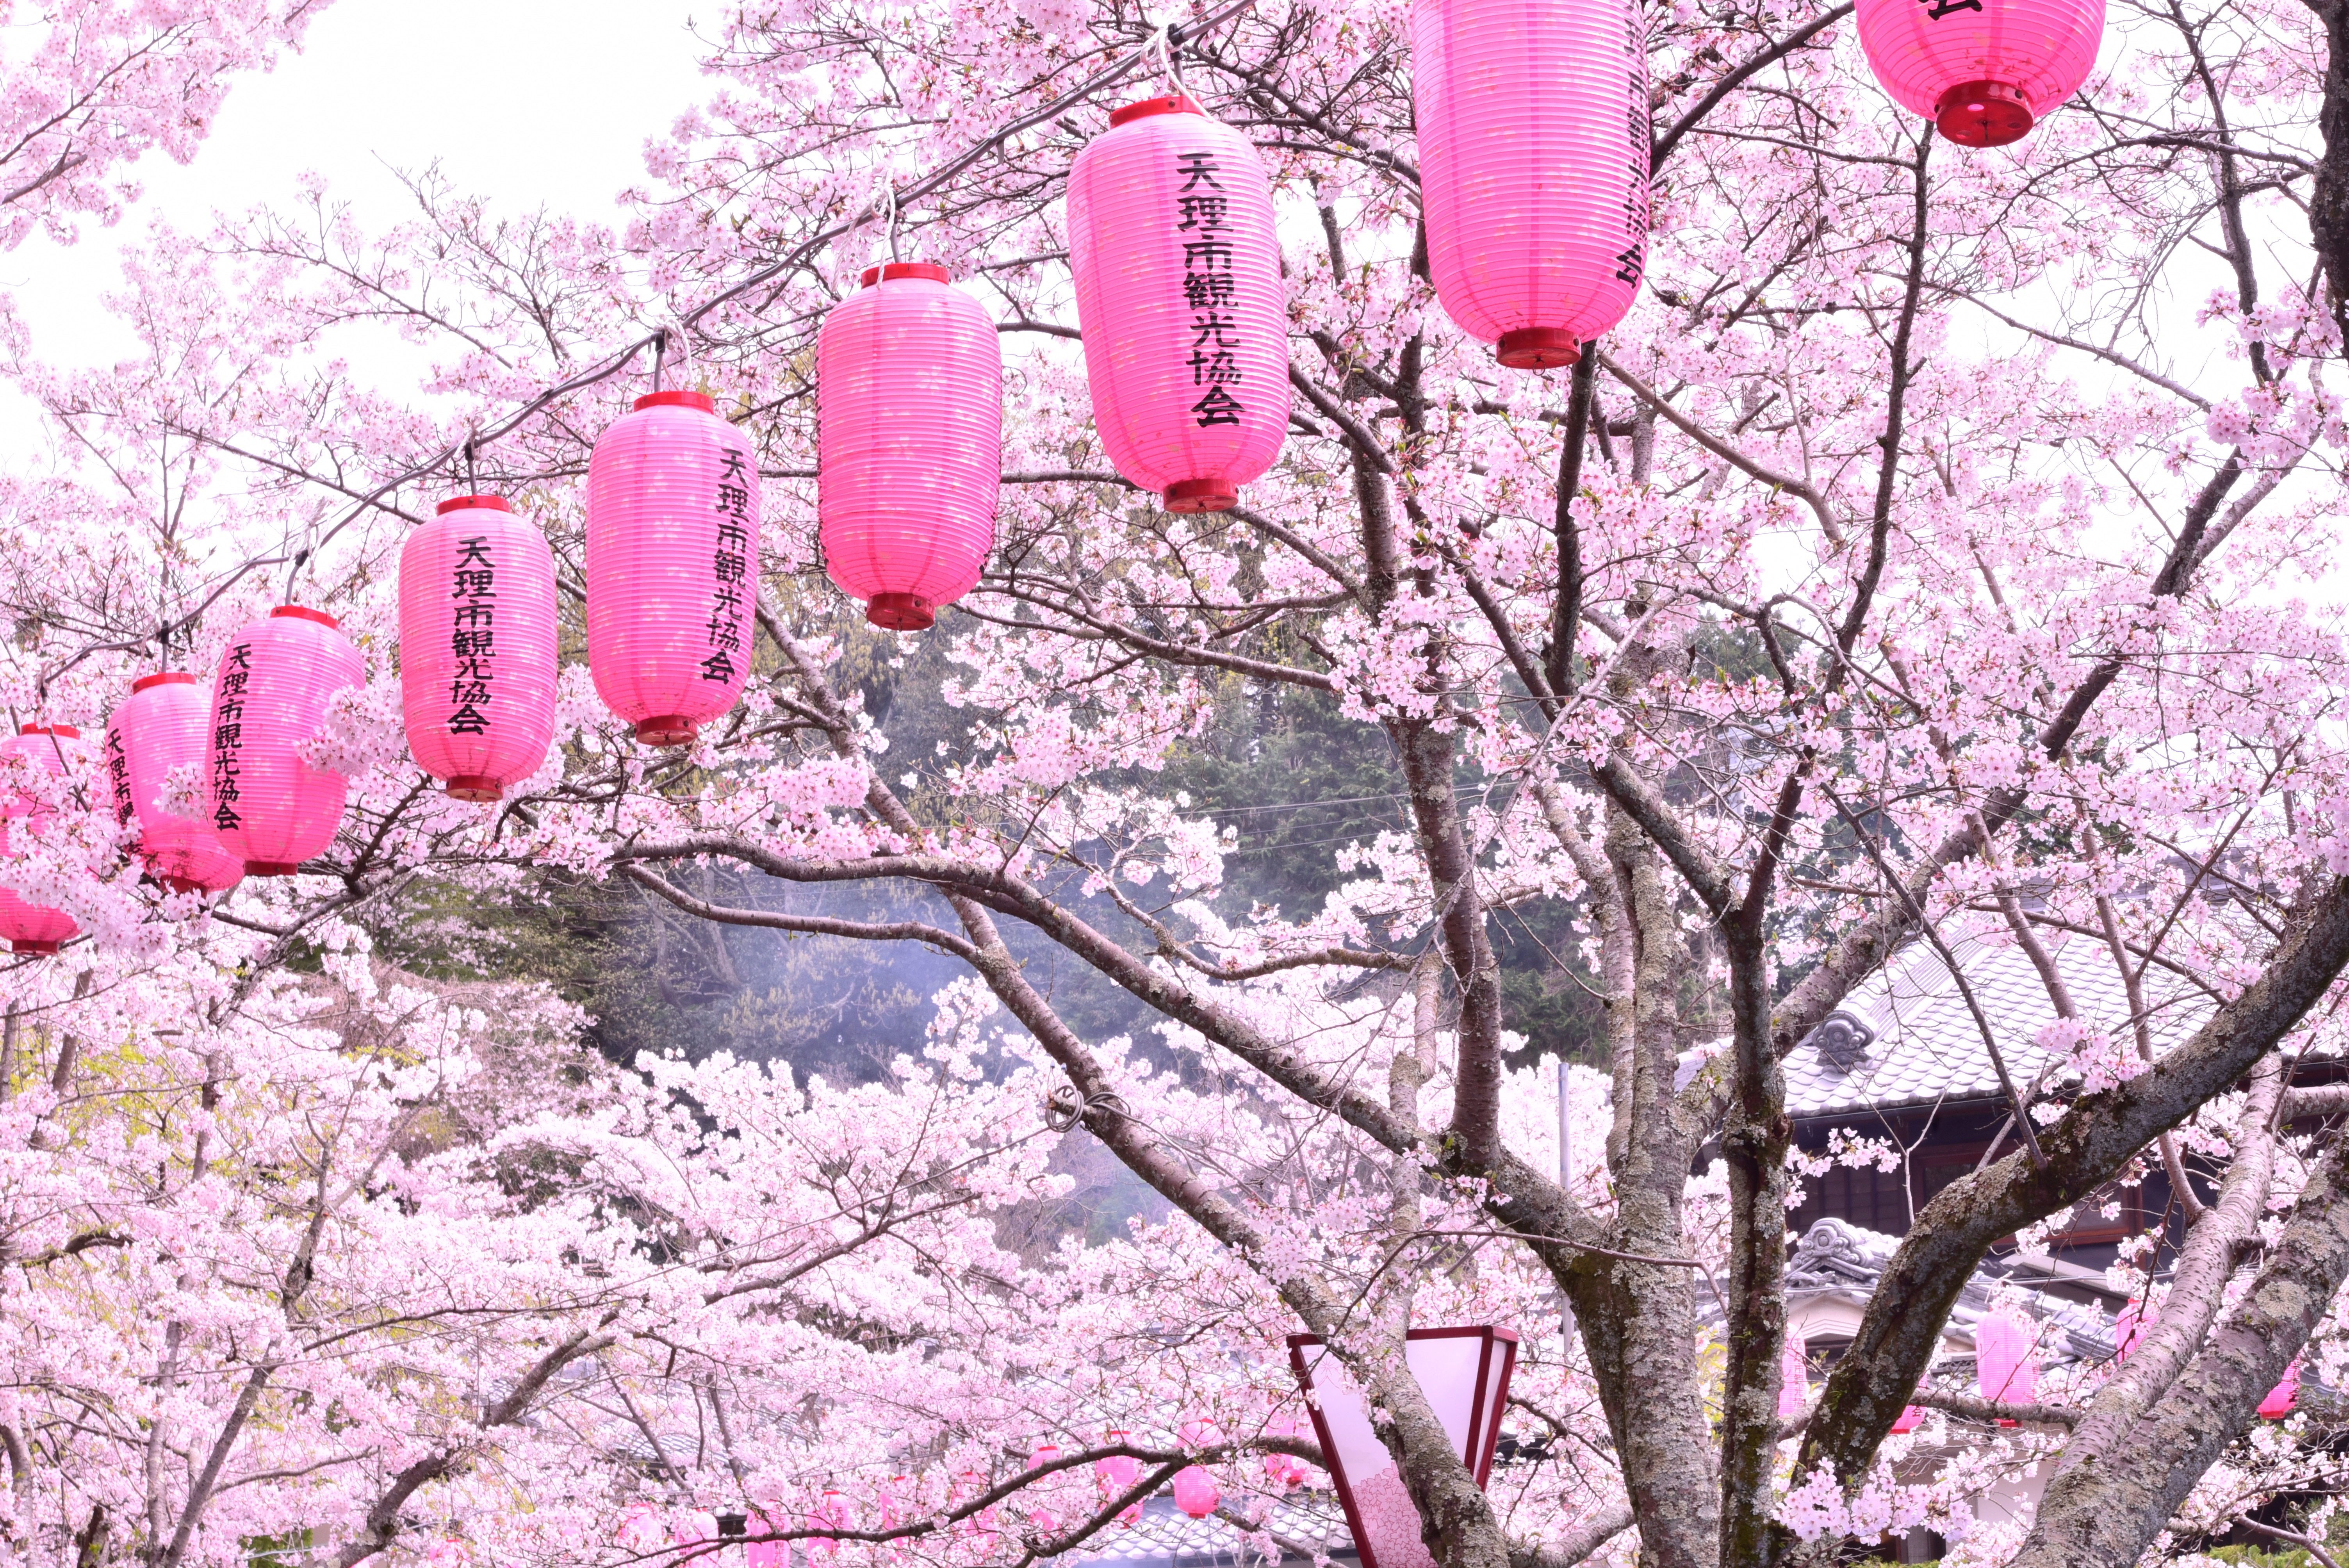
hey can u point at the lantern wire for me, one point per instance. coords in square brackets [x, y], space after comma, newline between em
[889, 216]
[660, 352]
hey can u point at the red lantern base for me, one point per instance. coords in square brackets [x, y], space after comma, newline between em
[1983, 114]
[34, 949]
[668, 729]
[900, 613]
[1201, 495]
[1537, 348]
[272, 868]
[475, 787]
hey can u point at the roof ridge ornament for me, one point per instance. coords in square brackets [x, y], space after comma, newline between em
[1841, 1041]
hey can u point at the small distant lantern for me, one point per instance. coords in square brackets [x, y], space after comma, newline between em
[761, 1553]
[34, 930]
[1794, 1377]
[2131, 1325]
[477, 650]
[979, 1526]
[1464, 1372]
[158, 729]
[642, 1531]
[269, 804]
[909, 443]
[1533, 152]
[1285, 1470]
[1177, 272]
[2285, 1396]
[1044, 1518]
[672, 565]
[1118, 1472]
[1196, 1491]
[831, 1512]
[2006, 1359]
[1983, 71]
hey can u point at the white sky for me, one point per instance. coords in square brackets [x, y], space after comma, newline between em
[522, 101]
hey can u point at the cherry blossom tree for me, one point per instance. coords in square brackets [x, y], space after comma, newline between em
[1946, 537]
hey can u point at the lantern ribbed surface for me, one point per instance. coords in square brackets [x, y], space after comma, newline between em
[270, 807]
[1985, 71]
[477, 648]
[1177, 274]
[157, 728]
[672, 565]
[2006, 1358]
[909, 443]
[1533, 161]
[35, 930]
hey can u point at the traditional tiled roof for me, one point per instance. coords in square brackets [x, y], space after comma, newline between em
[1304, 1524]
[1836, 1256]
[1917, 1043]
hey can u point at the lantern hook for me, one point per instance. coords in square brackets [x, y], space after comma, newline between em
[660, 353]
[1166, 42]
[889, 217]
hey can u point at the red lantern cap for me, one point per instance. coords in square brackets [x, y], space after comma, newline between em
[162, 678]
[701, 400]
[1983, 114]
[889, 272]
[1177, 103]
[1537, 348]
[63, 731]
[473, 503]
[296, 612]
[1201, 495]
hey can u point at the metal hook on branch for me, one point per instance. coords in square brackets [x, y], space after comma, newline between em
[1068, 1106]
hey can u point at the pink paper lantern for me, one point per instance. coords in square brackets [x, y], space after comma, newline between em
[1118, 1473]
[1794, 1377]
[269, 807]
[1983, 71]
[1196, 1492]
[2133, 1322]
[1909, 1420]
[34, 930]
[1177, 274]
[979, 1526]
[1283, 1470]
[672, 565]
[832, 1513]
[2281, 1399]
[1532, 162]
[909, 443]
[2006, 1358]
[476, 660]
[159, 727]
[641, 1531]
[766, 1554]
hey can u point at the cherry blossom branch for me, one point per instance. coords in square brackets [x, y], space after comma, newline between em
[1975, 1409]
[1665, 144]
[815, 925]
[1800, 488]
